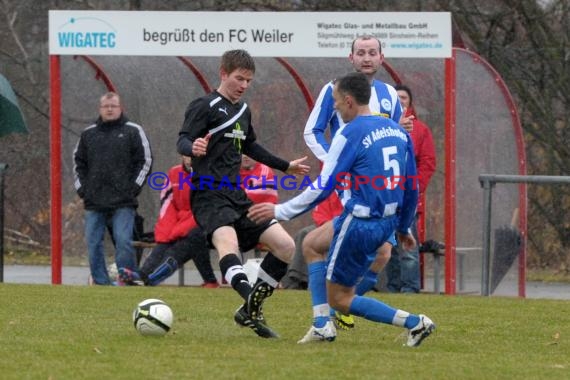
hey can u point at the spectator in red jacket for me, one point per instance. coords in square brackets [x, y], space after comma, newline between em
[257, 181]
[327, 210]
[178, 236]
[403, 269]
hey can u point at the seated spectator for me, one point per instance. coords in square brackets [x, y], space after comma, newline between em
[178, 236]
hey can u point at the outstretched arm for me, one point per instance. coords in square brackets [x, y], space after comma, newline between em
[260, 154]
[260, 212]
[339, 160]
[296, 167]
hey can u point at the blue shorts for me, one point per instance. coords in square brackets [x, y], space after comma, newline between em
[354, 246]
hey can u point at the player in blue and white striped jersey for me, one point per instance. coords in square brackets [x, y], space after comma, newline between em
[366, 57]
[370, 149]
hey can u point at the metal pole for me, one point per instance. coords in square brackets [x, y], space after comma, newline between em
[508, 178]
[436, 265]
[55, 169]
[488, 181]
[181, 275]
[486, 259]
[3, 168]
[450, 188]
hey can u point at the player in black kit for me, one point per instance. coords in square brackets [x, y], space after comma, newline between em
[217, 130]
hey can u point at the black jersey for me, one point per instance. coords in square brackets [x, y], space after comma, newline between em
[232, 135]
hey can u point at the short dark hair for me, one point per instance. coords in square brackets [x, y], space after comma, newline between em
[110, 95]
[355, 85]
[403, 87]
[364, 38]
[237, 59]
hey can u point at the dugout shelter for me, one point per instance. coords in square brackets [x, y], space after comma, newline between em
[456, 93]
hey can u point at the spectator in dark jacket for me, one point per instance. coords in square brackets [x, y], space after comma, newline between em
[112, 161]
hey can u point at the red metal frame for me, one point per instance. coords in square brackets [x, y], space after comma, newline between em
[304, 88]
[99, 73]
[55, 168]
[450, 173]
[201, 78]
[421, 227]
[450, 169]
[300, 83]
[391, 71]
[517, 129]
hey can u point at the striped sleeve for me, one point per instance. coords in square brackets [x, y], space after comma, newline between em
[338, 160]
[396, 114]
[147, 156]
[318, 121]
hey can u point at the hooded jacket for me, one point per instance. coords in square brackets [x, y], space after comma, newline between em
[176, 219]
[112, 160]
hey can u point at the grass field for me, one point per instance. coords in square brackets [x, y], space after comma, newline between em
[79, 332]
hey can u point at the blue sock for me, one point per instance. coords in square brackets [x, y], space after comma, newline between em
[318, 288]
[164, 270]
[368, 281]
[374, 310]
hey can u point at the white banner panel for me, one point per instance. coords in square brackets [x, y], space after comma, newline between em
[263, 34]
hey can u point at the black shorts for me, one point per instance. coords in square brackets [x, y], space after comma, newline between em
[213, 209]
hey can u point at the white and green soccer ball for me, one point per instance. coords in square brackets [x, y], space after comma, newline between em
[153, 317]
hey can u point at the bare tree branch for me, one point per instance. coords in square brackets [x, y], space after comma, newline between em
[11, 21]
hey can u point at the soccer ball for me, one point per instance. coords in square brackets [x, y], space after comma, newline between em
[152, 317]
